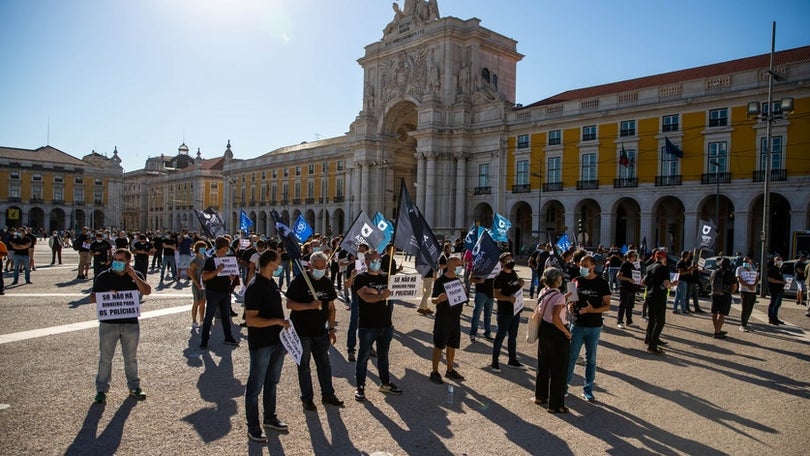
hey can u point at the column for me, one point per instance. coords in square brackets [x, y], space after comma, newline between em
[647, 230]
[421, 177]
[354, 197]
[461, 190]
[742, 234]
[690, 227]
[365, 189]
[606, 235]
[571, 225]
[430, 189]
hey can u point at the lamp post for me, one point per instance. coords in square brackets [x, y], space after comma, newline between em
[768, 115]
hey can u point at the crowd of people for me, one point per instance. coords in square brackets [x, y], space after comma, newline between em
[574, 289]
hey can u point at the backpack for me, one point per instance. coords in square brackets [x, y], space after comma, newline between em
[718, 282]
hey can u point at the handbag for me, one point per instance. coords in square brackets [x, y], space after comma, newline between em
[533, 326]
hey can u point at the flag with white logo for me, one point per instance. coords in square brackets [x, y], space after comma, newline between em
[302, 230]
[500, 226]
[707, 235]
[287, 237]
[485, 255]
[362, 231]
[386, 226]
[212, 223]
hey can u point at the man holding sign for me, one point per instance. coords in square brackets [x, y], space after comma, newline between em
[747, 279]
[448, 297]
[507, 284]
[629, 277]
[109, 292]
[218, 273]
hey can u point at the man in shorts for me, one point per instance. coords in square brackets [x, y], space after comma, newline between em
[447, 324]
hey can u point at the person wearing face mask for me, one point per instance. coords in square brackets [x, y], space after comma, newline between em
[265, 320]
[447, 324]
[374, 324]
[217, 294]
[314, 320]
[594, 299]
[506, 285]
[184, 246]
[142, 247]
[629, 276]
[658, 284]
[20, 244]
[119, 277]
[776, 287]
[195, 269]
[747, 280]
[100, 251]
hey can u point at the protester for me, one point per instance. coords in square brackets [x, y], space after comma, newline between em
[195, 270]
[657, 285]
[723, 285]
[56, 243]
[100, 250]
[217, 294]
[142, 248]
[506, 286]
[776, 288]
[20, 244]
[484, 297]
[82, 244]
[799, 278]
[747, 280]
[554, 345]
[628, 287]
[447, 324]
[119, 277]
[169, 245]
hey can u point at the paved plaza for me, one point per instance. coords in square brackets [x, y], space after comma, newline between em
[745, 395]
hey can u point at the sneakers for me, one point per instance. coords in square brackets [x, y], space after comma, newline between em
[719, 335]
[436, 378]
[744, 329]
[352, 356]
[101, 398]
[655, 351]
[332, 401]
[515, 364]
[588, 396]
[195, 325]
[360, 394]
[390, 388]
[488, 337]
[275, 424]
[454, 375]
[309, 406]
[232, 343]
[495, 368]
[630, 324]
[620, 325]
[137, 394]
[472, 339]
[257, 435]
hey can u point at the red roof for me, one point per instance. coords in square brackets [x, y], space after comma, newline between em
[708, 71]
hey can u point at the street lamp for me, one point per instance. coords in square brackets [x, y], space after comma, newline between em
[768, 115]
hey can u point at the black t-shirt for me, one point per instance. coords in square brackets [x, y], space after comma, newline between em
[158, 244]
[142, 245]
[775, 272]
[264, 295]
[373, 314]
[31, 238]
[103, 247]
[84, 242]
[660, 273]
[590, 291]
[443, 308]
[486, 288]
[799, 271]
[541, 260]
[509, 284]
[386, 259]
[626, 270]
[218, 283]
[121, 243]
[310, 323]
[109, 280]
[615, 260]
[17, 244]
[169, 245]
[246, 255]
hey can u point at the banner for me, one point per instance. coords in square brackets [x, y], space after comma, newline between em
[231, 265]
[485, 256]
[500, 226]
[302, 230]
[386, 227]
[707, 235]
[121, 304]
[405, 285]
[291, 342]
[362, 231]
[211, 222]
[287, 237]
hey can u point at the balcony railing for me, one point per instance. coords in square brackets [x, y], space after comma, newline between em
[552, 186]
[339, 198]
[776, 175]
[37, 200]
[587, 184]
[285, 202]
[14, 199]
[296, 201]
[57, 201]
[310, 200]
[98, 202]
[667, 181]
[714, 178]
[79, 202]
[273, 202]
[252, 202]
[520, 188]
[625, 182]
[482, 191]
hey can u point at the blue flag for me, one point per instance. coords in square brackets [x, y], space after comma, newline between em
[471, 238]
[624, 249]
[500, 226]
[672, 149]
[564, 243]
[386, 227]
[302, 230]
[287, 237]
[485, 255]
[244, 222]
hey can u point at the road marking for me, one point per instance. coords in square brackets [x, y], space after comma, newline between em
[53, 330]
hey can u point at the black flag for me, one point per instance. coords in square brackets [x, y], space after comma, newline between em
[211, 222]
[362, 231]
[707, 234]
[287, 237]
[413, 234]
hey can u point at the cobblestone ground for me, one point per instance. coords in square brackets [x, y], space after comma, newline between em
[747, 394]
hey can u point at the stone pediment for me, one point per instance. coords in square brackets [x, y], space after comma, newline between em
[411, 16]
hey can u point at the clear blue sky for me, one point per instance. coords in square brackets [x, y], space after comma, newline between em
[146, 75]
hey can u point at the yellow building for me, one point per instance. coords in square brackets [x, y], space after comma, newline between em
[46, 188]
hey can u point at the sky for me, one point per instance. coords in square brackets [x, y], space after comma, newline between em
[147, 75]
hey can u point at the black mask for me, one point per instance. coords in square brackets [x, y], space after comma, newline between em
[510, 265]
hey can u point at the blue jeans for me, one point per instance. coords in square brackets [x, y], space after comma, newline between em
[351, 337]
[590, 337]
[318, 348]
[368, 336]
[25, 261]
[482, 302]
[265, 371]
[108, 336]
[681, 296]
[507, 323]
[285, 274]
[535, 282]
[168, 262]
[216, 300]
[613, 276]
[774, 305]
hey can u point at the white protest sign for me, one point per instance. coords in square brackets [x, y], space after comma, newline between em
[749, 277]
[788, 282]
[636, 276]
[518, 302]
[121, 304]
[673, 277]
[86, 245]
[455, 292]
[231, 267]
[572, 288]
[291, 342]
[360, 266]
[244, 244]
[405, 285]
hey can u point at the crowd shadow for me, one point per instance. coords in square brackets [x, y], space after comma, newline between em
[88, 441]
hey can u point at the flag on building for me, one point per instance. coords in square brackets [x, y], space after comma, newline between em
[672, 149]
[287, 237]
[302, 230]
[244, 222]
[485, 255]
[413, 234]
[362, 231]
[386, 226]
[211, 222]
[624, 160]
[500, 226]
